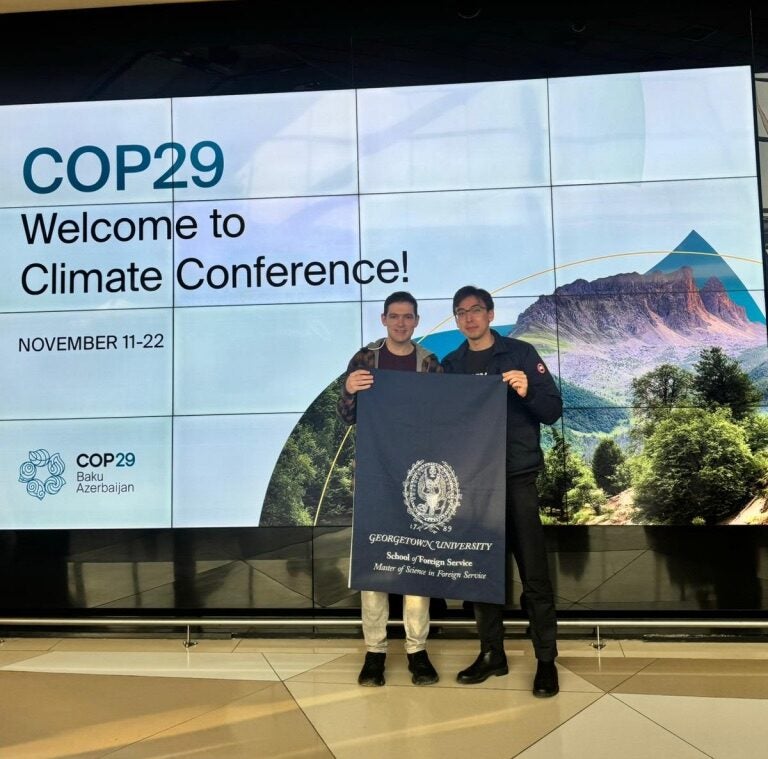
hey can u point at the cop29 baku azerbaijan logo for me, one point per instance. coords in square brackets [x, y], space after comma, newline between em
[42, 473]
[431, 494]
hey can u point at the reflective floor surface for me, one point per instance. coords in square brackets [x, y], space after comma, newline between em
[298, 698]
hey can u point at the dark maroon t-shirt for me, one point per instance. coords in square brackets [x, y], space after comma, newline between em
[388, 360]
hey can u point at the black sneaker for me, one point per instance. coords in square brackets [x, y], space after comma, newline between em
[421, 669]
[372, 673]
[545, 683]
[488, 663]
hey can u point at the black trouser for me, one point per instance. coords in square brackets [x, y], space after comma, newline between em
[525, 540]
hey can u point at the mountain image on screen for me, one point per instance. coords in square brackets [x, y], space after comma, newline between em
[611, 332]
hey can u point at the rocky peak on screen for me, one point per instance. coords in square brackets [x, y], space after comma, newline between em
[646, 309]
[717, 301]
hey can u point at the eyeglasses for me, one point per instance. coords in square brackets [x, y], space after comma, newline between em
[475, 311]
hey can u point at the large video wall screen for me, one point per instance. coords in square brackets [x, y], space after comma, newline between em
[181, 279]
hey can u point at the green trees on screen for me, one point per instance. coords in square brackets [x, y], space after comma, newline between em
[701, 462]
[719, 381]
[304, 480]
[609, 467]
[696, 464]
[566, 485]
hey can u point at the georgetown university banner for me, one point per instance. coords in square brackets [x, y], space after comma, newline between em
[429, 486]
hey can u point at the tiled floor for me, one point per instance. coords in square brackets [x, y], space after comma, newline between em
[299, 699]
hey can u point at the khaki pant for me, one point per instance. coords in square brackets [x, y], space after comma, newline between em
[375, 613]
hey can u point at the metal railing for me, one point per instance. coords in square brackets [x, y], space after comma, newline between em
[188, 623]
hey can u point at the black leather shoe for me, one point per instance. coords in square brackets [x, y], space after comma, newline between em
[421, 669]
[372, 673]
[545, 683]
[488, 663]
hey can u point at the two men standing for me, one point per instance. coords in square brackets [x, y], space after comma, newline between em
[532, 399]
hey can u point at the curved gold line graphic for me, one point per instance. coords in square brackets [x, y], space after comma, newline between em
[328, 476]
[541, 273]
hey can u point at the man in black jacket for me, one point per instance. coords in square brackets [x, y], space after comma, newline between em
[533, 399]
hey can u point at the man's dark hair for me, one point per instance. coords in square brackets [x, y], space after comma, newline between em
[477, 292]
[401, 297]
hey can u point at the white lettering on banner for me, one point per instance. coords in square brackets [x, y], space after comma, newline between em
[377, 537]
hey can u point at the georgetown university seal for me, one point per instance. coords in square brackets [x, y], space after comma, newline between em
[431, 495]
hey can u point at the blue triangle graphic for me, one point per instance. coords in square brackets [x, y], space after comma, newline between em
[695, 243]
[703, 268]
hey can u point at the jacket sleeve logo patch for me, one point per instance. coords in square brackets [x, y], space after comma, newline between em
[541, 368]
